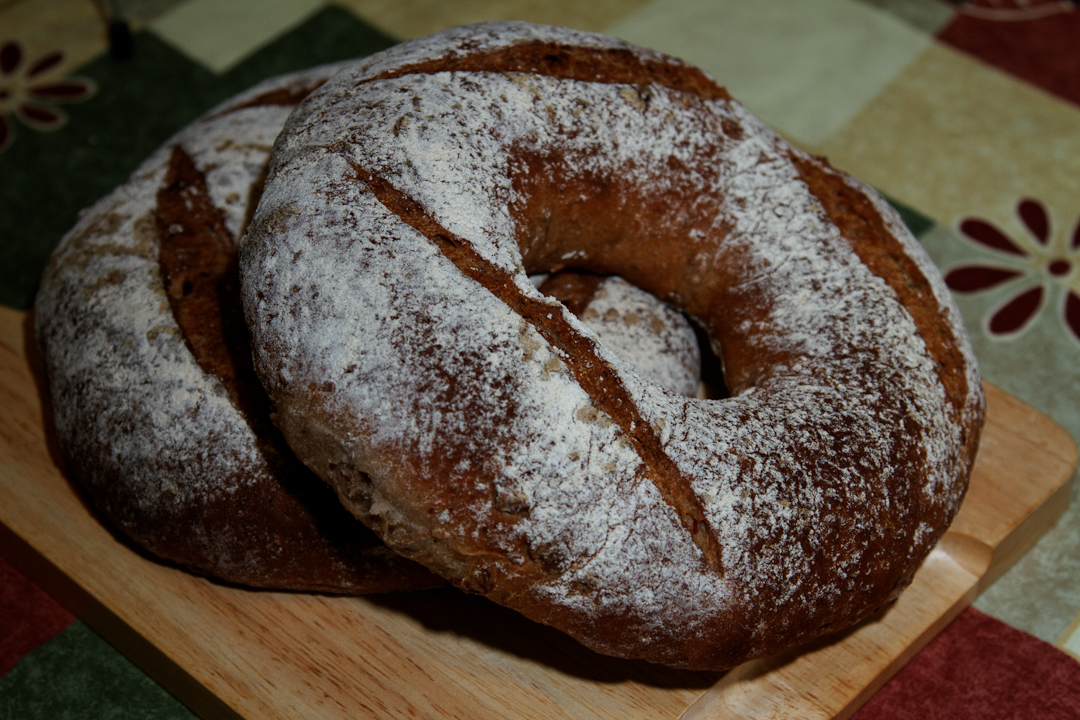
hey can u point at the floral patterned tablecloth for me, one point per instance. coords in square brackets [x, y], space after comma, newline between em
[966, 115]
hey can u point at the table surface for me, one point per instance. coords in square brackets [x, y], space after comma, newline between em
[965, 115]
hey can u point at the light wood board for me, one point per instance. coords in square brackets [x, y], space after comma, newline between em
[230, 652]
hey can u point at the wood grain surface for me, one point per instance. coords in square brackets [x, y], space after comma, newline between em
[232, 652]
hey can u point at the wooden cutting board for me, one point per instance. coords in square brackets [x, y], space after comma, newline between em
[229, 652]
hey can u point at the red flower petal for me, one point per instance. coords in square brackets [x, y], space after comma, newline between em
[47, 62]
[63, 91]
[972, 278]
[1034, 216]
[6, 133]
[10, 57]
[40, 117]
[986, 234]
[1017, 312]
[1072, 313]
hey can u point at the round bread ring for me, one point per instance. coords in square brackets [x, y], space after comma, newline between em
[481, 430]
[157, 408]
[157, 405]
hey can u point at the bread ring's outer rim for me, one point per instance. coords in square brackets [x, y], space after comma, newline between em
[705, 615]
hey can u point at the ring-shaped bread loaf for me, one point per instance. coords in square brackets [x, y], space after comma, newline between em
[483, 431]
[157, 406]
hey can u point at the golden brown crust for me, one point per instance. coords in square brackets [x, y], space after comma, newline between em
[569, 62]
[287, 96]
[862, 225]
